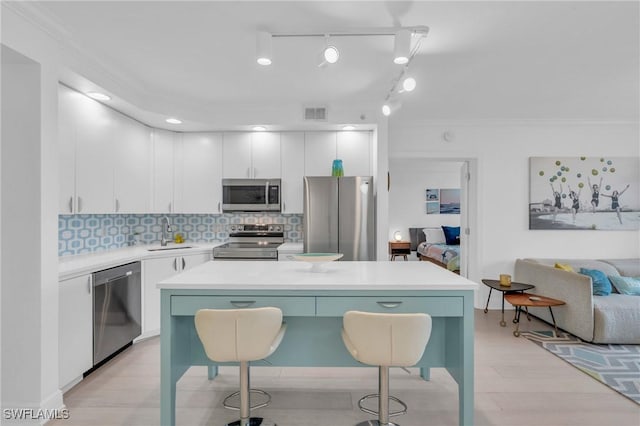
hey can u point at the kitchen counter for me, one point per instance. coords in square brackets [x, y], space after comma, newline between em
[256, 275]
[313, 304]
[73, 266]
[289, 248]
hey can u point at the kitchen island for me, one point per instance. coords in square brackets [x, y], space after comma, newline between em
[313, 304]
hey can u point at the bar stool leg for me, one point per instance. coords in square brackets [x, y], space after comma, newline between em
[383, 400]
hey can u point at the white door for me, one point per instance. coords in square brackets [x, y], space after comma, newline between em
[236, 153]
[265, 155]
[67, 103]
[292, 154]
[354, 149]
[155, 270]
[132, 146]
[94, 157]
[200, 169]
[75, 329]
[319, 153]
[163, 171]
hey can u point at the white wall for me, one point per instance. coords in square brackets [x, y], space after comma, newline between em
[409, 180]
[502, 151]
[37, 159]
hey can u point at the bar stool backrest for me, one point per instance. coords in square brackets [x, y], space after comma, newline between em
[392, 340]
[236, 335]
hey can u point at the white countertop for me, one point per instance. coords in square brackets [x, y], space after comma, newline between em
[72, 266]
[256, 275]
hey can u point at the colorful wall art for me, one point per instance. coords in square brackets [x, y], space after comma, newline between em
[596, 193]
[443, 201]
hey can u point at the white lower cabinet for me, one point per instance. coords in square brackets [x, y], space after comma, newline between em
[75, 325]
[156, 270]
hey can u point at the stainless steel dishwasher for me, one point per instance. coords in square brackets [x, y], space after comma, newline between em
[116, 309]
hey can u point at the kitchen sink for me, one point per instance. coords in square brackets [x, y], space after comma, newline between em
[169, 248]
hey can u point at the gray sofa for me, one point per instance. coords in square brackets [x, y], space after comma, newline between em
[598, 319]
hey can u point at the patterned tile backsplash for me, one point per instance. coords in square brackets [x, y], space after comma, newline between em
[86, 233]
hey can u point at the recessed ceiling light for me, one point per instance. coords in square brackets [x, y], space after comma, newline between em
[173, 121]
[259, 128]
[349, 127]
[98, 96]
[409, 84]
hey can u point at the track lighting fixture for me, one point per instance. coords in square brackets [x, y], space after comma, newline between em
[330, 54]
[263, 48]
[402, 47]
[408, 84]
[390, 107]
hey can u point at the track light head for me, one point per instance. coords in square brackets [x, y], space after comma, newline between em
[408, 84]
[264, 52]
[390, 107]
[402, 47]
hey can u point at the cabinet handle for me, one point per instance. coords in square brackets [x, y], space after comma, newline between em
[89, 283]
[175, 264]
[184, 264]
[242, 303]
[117, 205]
[284, 207]
[390, 305]
[71, 204]
[79, 204]
[169, 207]
[218, 206]
[248, 172]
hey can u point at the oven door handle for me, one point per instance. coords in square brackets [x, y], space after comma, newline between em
[242, 303]
[266, 193]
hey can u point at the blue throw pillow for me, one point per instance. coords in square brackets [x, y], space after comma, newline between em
[451, 235]
[626, 285]
[601, 284]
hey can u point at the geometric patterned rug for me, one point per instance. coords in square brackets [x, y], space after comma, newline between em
[617, 366]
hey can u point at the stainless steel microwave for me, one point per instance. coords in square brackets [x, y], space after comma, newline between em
[251, 195]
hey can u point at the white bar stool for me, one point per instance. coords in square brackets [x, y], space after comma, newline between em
[385, 340]
[241, 335]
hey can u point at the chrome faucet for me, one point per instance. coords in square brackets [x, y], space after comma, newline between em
[166, 227]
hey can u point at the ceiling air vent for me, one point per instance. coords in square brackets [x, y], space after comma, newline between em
[315, 113]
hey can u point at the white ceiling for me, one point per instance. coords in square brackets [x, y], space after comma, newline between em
[480, 61]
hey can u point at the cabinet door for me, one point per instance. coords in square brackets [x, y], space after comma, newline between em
[155, 270]
[236, 152]
[163, 171]
[265, 155]
[354, 149]
[67, 101]
[319, 153]
[75, 329]
[190, 261]
[94, 157]
[132, 184]
[292, 154]
[200, 189]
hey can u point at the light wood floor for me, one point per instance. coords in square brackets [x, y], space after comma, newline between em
[516, 383]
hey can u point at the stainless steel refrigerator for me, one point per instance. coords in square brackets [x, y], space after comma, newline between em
[339, 216]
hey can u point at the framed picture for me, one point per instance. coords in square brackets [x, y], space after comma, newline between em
[443, 201]
[433, 207]
[595, 193]
[450, 201]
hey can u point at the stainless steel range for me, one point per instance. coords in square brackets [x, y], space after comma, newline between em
[251, 242]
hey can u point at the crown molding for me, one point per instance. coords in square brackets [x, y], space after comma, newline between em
[491, 122]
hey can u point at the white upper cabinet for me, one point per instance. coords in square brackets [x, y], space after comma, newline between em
[94, 157]
[320, 151]
[236, 152]
[354, 149]
[132, 149]
[251, 155]
[199, 173]
[67, 102]
[163, 171]
[292, 155]
[265, 155]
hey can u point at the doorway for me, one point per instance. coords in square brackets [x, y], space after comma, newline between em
[417, 201]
